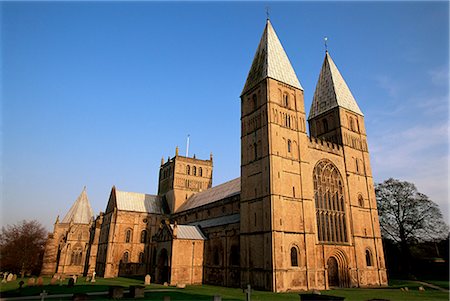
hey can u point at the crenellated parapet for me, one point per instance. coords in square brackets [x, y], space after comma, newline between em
[325, 146]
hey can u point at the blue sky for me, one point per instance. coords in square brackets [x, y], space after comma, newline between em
[95, 93]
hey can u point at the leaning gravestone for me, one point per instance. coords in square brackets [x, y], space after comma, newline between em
[31, 281]
[40, 281]
[10, 277]
[148, 278]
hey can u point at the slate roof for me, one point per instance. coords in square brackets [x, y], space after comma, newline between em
[81, 211]
[332, 91]
[218, 221]
[138, 202]
[271, 60]
[213, 194]
[188, 232]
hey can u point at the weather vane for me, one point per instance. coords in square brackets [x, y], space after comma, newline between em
[325, 39]
[267, 12]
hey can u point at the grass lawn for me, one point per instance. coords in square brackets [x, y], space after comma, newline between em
[206, 292]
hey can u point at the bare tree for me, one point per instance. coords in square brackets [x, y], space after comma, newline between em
[408, 216]
[22, 246]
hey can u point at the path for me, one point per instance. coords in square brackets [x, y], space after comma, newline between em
[432, 286]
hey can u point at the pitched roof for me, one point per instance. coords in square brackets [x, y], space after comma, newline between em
[218, 221]
[138, 202]
[332, 91]
[81, 211]
[211, 195]
[271, 61]
[188, 232]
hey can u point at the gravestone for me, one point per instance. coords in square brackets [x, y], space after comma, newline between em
[148, 278]
[217, 298]
[137, 291]
[40, 281]
[93, 277]
[31, 281]
[181, 285]
[10, 277]
[4, 277]
[14, 277]
[421, 289]
[21, 283]
[53, 281]
[74, 277]
[166, 284]
[71, 283]
[115, 292]
[88, 278]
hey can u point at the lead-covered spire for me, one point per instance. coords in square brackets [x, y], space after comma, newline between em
[271, 61]
[332, 91]
[81, 211]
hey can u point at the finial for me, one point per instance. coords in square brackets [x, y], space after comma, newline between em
[194, 156]
[162, 161]
[168, 158]
[267, 13]
[176, 151]
[57, 220]
[210, 157]
[325, 39]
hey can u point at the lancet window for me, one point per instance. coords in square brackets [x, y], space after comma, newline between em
[294, 257]
[330, 204]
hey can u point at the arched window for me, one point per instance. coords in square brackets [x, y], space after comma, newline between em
[330, 204]
[188, 170]
[286, 100]
[325, 125]
[368, 258]
[128, 235]
[294, 257]
[194, 170]
[76, 255]
[234, 255]
[289, 146]
[125, 257]
[144, 236]
[141, 257]
[351, 123]
[255, 102]
[360, 200]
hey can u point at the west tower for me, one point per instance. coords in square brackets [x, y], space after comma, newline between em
[336, 117]
[273, 132]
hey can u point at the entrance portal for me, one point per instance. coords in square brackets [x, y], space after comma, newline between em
[333, 272]
[163, 267]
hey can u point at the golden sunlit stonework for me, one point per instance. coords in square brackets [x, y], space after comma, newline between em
[302, 215]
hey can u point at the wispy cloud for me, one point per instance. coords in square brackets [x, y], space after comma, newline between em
[439, 76]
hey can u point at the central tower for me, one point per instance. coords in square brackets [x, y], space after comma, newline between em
[273, 131]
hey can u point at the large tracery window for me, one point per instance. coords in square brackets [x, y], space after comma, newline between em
[330, 204]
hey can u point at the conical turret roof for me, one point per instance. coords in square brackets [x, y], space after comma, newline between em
[332, 91]
[81, 211]
[271, 61]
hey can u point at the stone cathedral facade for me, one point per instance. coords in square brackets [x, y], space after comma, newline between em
[302, 215]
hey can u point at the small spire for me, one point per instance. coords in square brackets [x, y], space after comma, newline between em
[267, 13]
[57, 220]
[176, 151]
[162, 161]
[210, 156]
[325, 40]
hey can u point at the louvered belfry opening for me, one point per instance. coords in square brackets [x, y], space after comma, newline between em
[330, 204]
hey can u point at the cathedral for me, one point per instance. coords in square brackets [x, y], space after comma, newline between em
[302, 215]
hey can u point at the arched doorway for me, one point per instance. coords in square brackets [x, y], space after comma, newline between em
[333, 272]
[162, 268]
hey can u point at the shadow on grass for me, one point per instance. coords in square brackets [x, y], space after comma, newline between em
[53, 290]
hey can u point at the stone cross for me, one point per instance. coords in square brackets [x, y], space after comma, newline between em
[248, 293]
[43, 295]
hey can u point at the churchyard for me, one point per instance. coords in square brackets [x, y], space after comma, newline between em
[98, 290]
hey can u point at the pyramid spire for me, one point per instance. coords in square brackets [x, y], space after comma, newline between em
[271, 61]
[81, 211]
[332, 91]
